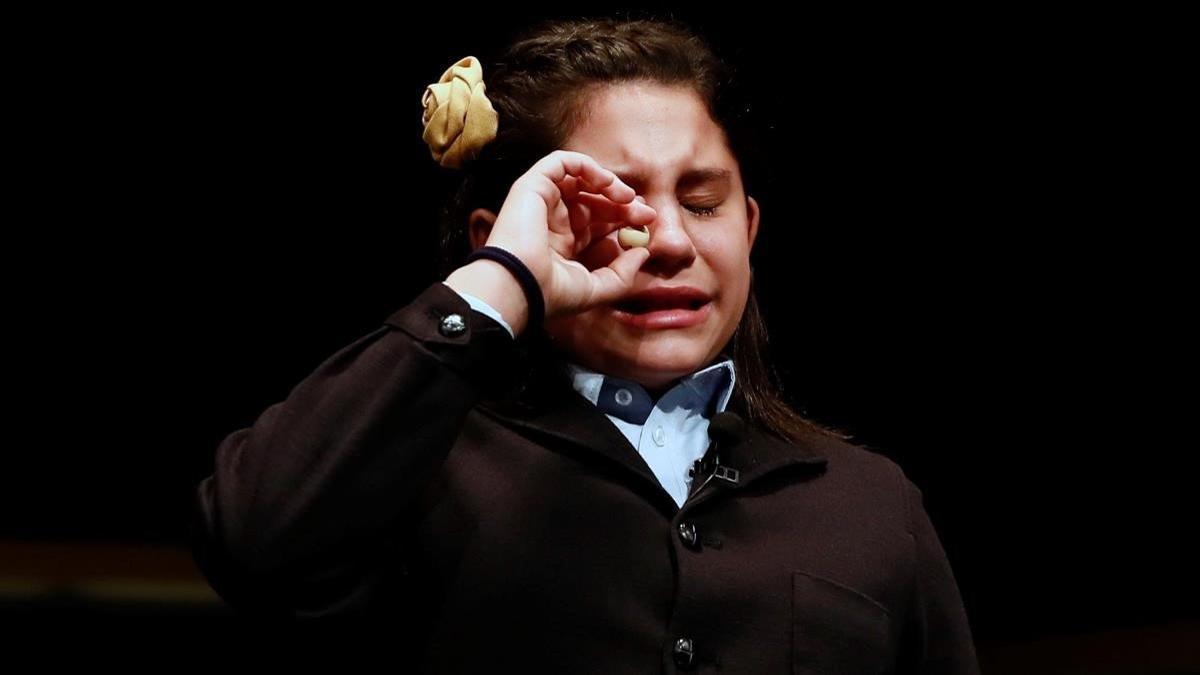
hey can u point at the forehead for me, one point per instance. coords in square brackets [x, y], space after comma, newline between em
[650, 129]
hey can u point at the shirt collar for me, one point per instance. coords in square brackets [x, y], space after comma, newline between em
[706, 391]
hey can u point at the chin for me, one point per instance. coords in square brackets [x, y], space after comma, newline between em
[666, 360]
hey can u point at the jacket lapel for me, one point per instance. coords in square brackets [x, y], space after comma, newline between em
[545, 406]
[762, 452]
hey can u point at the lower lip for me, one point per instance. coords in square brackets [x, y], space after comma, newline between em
[666, 318]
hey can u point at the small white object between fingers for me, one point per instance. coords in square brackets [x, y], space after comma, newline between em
[630, 237]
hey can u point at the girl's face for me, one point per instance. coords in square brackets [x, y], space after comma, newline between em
[662, 142]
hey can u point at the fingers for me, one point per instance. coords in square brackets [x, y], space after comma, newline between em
[637, 212]
[595, 201]
[580, 214]
[601, 213]
[591, 176]
[601, 216]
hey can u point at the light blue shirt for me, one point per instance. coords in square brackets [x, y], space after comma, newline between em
[670, 433]
[674, 430]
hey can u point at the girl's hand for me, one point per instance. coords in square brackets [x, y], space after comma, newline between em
[562, 205]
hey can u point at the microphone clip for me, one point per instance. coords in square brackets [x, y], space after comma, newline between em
[711, 466]
[727, 474]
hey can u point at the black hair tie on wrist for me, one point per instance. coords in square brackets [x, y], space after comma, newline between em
[533, 292]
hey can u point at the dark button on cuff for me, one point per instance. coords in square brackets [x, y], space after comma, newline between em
[685, 653]
[452, 325]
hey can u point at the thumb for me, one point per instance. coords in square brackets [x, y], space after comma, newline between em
[624, 267]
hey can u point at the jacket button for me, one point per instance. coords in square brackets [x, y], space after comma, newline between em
[687, 532]
[685, 653]
[452, 325]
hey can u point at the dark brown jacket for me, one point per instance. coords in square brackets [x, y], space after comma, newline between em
[407, 480]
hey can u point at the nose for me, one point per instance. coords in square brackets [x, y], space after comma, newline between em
[670, 242]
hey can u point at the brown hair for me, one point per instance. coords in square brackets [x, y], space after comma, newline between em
[538, 86]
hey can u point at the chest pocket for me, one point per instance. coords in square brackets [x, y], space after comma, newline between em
[837, 630]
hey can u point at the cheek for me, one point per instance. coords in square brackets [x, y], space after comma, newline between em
[561, 329]
[726, 240]
[730, 267]
[575, 329]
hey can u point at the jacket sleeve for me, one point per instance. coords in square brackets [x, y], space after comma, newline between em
[304, 508]
[936, 638]
[481, 305]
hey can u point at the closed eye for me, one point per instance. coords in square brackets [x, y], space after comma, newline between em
[701, 210]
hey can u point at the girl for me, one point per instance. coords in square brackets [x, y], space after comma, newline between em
[567, 454]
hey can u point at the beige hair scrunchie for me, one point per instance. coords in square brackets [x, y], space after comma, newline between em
[459, 119]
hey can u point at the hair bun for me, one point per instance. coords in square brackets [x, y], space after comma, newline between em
[459, 119]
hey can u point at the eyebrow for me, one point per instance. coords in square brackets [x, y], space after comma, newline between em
[691, 177]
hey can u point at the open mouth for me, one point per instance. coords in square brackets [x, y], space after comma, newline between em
[645, 307]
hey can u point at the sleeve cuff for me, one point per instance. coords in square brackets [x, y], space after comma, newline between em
[481, 306]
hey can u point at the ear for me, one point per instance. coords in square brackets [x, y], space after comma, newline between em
[479, 226]
[752, 214]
